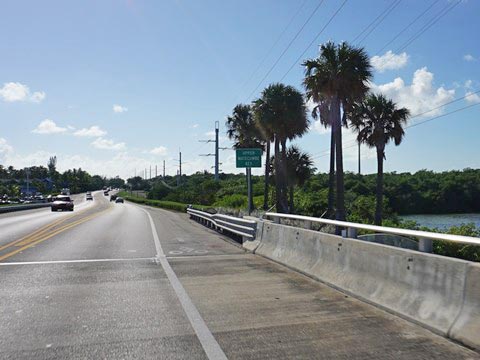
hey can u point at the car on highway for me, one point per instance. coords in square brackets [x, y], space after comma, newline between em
[62, 202]
[89, 196]
[113, 197]
[119, 200]
[105, 193]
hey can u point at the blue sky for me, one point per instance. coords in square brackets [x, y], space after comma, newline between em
[115, 86]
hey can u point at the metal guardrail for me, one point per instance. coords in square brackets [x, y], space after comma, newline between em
[11, 208]
[238, 226]
[425, 238]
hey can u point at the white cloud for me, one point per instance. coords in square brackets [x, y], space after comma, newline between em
[107, 144]
[160, 150]
[38, 96]
[418, 97]
[92, 131]
[194, 126]
[468, 57]
[210, 133]
[319, 128]
[5, 149]
[472, 98]
[48, 126]
[119, 108]
[15, 91]
[389, 61]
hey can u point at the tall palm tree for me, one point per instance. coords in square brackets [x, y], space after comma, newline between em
[283, 115]
[241, 128]
[299, 169]
[260, 110]
[377, 120]
[338, 76]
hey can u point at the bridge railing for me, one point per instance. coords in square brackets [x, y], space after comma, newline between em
[425, 238]
[239, 226]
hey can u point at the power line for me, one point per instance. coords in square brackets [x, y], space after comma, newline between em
[440, 116]
[260, 64]
[445, 10]
[326, 151]
[374, 20]
[315, 39]
[392, 7]
[413, 125]
[286, 49]
[407, 27]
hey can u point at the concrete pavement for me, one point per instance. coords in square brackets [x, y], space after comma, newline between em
[97, 289]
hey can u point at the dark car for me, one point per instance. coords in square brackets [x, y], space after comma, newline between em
[119, 200]
[105, 193]
[113, 197]
[62, 202]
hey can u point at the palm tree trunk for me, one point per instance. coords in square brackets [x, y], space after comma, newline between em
[379, 205]
[337, 123]
[331, 176]
[278, 192]
[292, 206]
[267, 176]
[284, 187]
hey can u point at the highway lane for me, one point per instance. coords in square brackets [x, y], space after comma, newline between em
[98, 290]
[20, 223]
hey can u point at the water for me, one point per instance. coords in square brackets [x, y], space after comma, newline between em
[443, 221]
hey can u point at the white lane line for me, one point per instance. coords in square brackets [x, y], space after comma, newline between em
[73, 261]
[206, 338]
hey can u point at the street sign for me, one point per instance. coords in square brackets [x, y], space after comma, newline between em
[249, 158]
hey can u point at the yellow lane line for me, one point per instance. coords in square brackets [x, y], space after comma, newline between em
[35, 237]
[42, 229]
[56, 232]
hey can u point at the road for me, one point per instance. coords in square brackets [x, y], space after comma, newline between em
[120, 281]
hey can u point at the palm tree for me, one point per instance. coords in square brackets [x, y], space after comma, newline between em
[258, 108]
[299, 169]
[377, 120]
[335, 79]
[283, 115]
[241, 128]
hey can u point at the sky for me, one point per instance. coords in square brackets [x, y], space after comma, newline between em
[117, 86]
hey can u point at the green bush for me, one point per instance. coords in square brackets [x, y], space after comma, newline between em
[169, 205]
[235, 201]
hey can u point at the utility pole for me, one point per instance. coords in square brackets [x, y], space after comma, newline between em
[145, 174]
[150, 172]
[359, 172]
[217, 148]
[156, 173]
[164, 169]
[179, 167]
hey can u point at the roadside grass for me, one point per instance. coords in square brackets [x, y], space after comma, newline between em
[168, 205]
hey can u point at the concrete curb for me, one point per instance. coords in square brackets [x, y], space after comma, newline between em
[7, 209]
[439, 293]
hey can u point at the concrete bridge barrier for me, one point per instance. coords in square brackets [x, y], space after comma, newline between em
[466, 328]
[440, 293]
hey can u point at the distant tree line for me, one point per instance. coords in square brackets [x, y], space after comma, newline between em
[423, 192]
[48, 180]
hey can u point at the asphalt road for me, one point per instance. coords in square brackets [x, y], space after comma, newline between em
[120, 281]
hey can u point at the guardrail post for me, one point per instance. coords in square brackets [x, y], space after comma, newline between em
[352, 233]
[425, 245]
[276, 220]
[307, 225]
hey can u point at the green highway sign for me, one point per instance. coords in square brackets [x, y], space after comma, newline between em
[249, 158]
